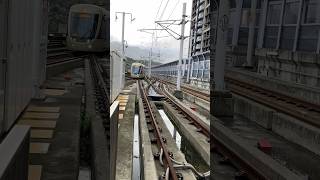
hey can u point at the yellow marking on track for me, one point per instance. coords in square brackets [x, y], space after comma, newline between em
[122, 104]
[40, 115]
[39, 148]
[41, 133]
[34, 172]
[123, 101]
[43, 109]
[54, 92]
[123, 97]
[38, 124]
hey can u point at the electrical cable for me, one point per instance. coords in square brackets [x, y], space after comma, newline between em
[164, 9]
[173, 9]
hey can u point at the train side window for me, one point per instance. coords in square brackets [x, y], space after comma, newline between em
[103, 29]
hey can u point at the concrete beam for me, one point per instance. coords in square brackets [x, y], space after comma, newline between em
[296, 36]
[251, 155]
[14, 152]
[252, 29]
[237, 22]
[280, 24]
[221, 45]
[262, 25]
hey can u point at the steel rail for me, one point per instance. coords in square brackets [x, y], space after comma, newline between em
[256, 93]
[100, 80]
[205, 129]
[315, 107]
[246, 168]
[199, 94]
[65, 60]
[160, 142]
[279, 106]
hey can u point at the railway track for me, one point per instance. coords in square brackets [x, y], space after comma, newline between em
[302, 110]
[200, 94]
[170, 170]
[200, 125]
[245, 168]
[297, 108]
[58, 54]
[101, 93]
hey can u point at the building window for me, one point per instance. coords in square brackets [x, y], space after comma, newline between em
[245, 17]
[233, 4]
[291, 12]
[246, 4]
[274, 14]
[311, 12]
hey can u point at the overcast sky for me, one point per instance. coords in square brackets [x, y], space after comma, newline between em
[145, 13]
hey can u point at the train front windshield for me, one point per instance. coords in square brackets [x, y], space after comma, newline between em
[136, 70]
[83, 25]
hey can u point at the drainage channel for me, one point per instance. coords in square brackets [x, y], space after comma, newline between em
[136, 149]
[183, 144]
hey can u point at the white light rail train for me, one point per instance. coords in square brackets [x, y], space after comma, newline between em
[87, 28]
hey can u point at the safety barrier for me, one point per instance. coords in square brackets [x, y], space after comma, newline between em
[14, 152]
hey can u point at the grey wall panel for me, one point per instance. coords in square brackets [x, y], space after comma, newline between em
[3, 56]
[308, 38]
[27, 37]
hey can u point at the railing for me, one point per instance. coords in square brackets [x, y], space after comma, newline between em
[14, 151]
[114, 117]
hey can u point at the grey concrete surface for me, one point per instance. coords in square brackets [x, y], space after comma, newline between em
[197, 140]
[62, 160]
[125, 142]
[56, 69]
[149, 167]
[311, 94]
[99, 142]
[171, 146]
[288, 127]
[260, 161]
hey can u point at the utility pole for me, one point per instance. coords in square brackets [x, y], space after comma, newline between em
[165, 25]
[150, 59]
[122, 42]
[183, 23]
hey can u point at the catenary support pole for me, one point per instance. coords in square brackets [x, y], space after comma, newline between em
[181, 45]
[122, 47]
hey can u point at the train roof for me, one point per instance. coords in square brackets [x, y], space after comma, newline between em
[137, 64]
[87, 8]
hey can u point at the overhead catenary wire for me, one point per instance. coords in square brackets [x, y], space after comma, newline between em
[164, 9]
[173, 9]
[158, 9]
